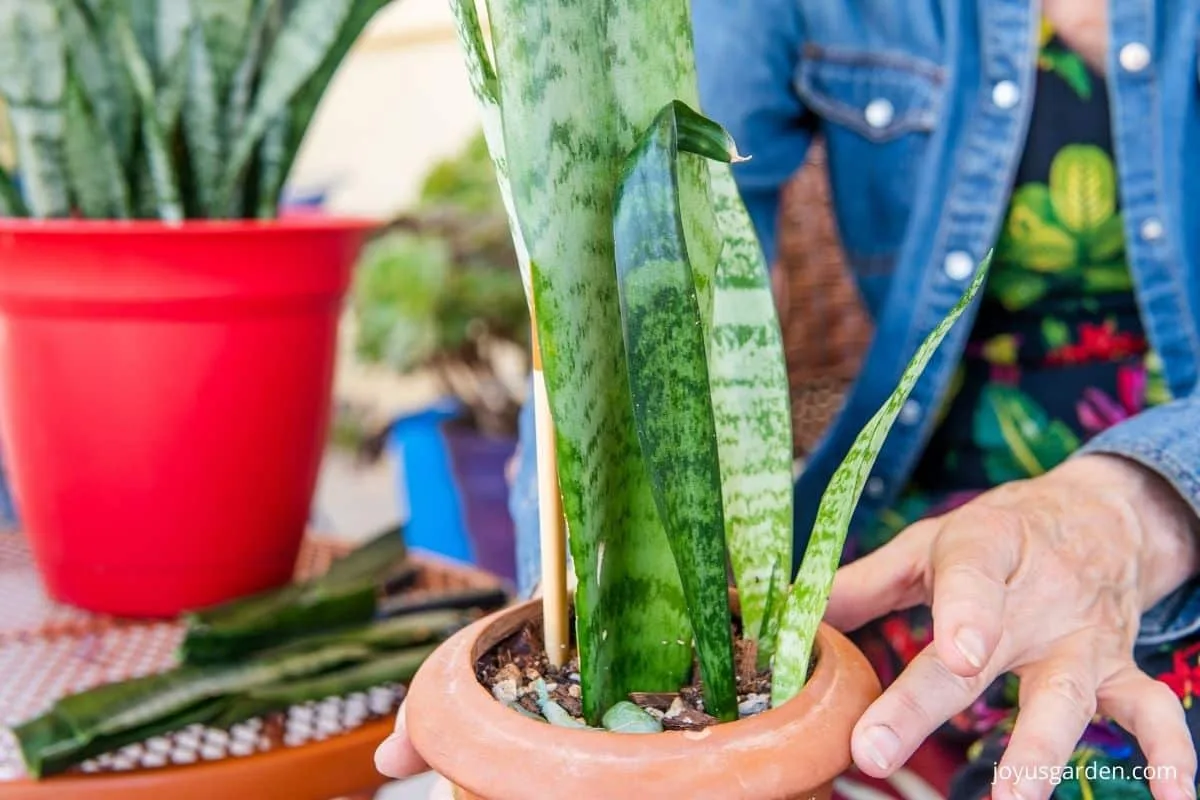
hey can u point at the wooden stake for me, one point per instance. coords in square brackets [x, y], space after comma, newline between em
[556, 631]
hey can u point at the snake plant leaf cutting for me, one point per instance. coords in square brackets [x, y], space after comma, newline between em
[192, 108]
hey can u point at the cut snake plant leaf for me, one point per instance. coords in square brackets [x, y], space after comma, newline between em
[309, 31]
[49, 747]
[567, 133]
[810, 592]
[346, 594]
[162, 172]
[33, 82]
[752, 402]
[397, 667]
[666, 352]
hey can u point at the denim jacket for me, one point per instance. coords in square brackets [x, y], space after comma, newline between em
[923, 107]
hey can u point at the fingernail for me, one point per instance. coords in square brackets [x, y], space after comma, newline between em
[970, 643]
[881, 745]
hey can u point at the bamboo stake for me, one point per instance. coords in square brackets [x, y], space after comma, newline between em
[552, 534]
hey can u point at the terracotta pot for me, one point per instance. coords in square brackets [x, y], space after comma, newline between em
[490, 752]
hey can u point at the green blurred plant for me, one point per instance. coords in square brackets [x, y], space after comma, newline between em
[439, 288]
[164, 109]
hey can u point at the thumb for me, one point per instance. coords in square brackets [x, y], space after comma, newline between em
[396, 757]
[891, 578]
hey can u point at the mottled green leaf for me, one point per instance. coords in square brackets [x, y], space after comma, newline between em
[226, 28]
[202, 124]
[97, 183]
[567, 133]
[162, 170]
[304, 105]
[487, 94]
[296, 53]
[752, 400]
[810, 592]
[33, 82]
[98, 68]
[271, 157]
[11, 202]
[666, 350]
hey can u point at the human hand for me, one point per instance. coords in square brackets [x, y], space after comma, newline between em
[397, 758]
[1046, 578]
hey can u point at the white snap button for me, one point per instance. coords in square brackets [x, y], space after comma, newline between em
[1152, 229]
[959, 265]
[875, 487]
[910, 413]
[1135, 57]
[1005, 94]
[879, 113]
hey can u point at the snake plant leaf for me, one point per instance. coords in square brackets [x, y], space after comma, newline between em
[226, 29]
[49, 746]
[241, 86]
[33, 82]
[486, 88]
[97, 69]
[11, 202]
[347, 593]
[186, 686]
[752, 401]
[162, 172]
[398, 667]
[202, 123]
[306, 100]
[567, 133]
[810, 591]
[141, 17]
[309, 31]
[666, 350]
[272, 154]
[93, 166]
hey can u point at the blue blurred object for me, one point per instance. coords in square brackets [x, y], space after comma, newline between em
[454, 487]
[435, 520]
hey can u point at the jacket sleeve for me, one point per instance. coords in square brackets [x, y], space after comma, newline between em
[1166, 440]
[746, 57]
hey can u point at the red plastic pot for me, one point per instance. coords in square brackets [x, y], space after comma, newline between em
[165, 395]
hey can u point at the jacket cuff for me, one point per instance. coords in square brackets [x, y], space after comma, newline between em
[1164, 440]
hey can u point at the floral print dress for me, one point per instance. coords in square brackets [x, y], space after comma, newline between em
[1057, 354]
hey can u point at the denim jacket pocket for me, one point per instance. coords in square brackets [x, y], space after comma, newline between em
[880, 96]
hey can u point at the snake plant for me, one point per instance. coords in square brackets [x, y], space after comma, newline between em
[661, 349]
[163, 109]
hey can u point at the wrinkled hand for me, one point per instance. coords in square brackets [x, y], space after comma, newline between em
[1047, 578]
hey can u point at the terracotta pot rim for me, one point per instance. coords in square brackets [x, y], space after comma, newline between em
[490, 750]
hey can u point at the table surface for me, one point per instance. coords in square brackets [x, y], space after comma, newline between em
[48, 650]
